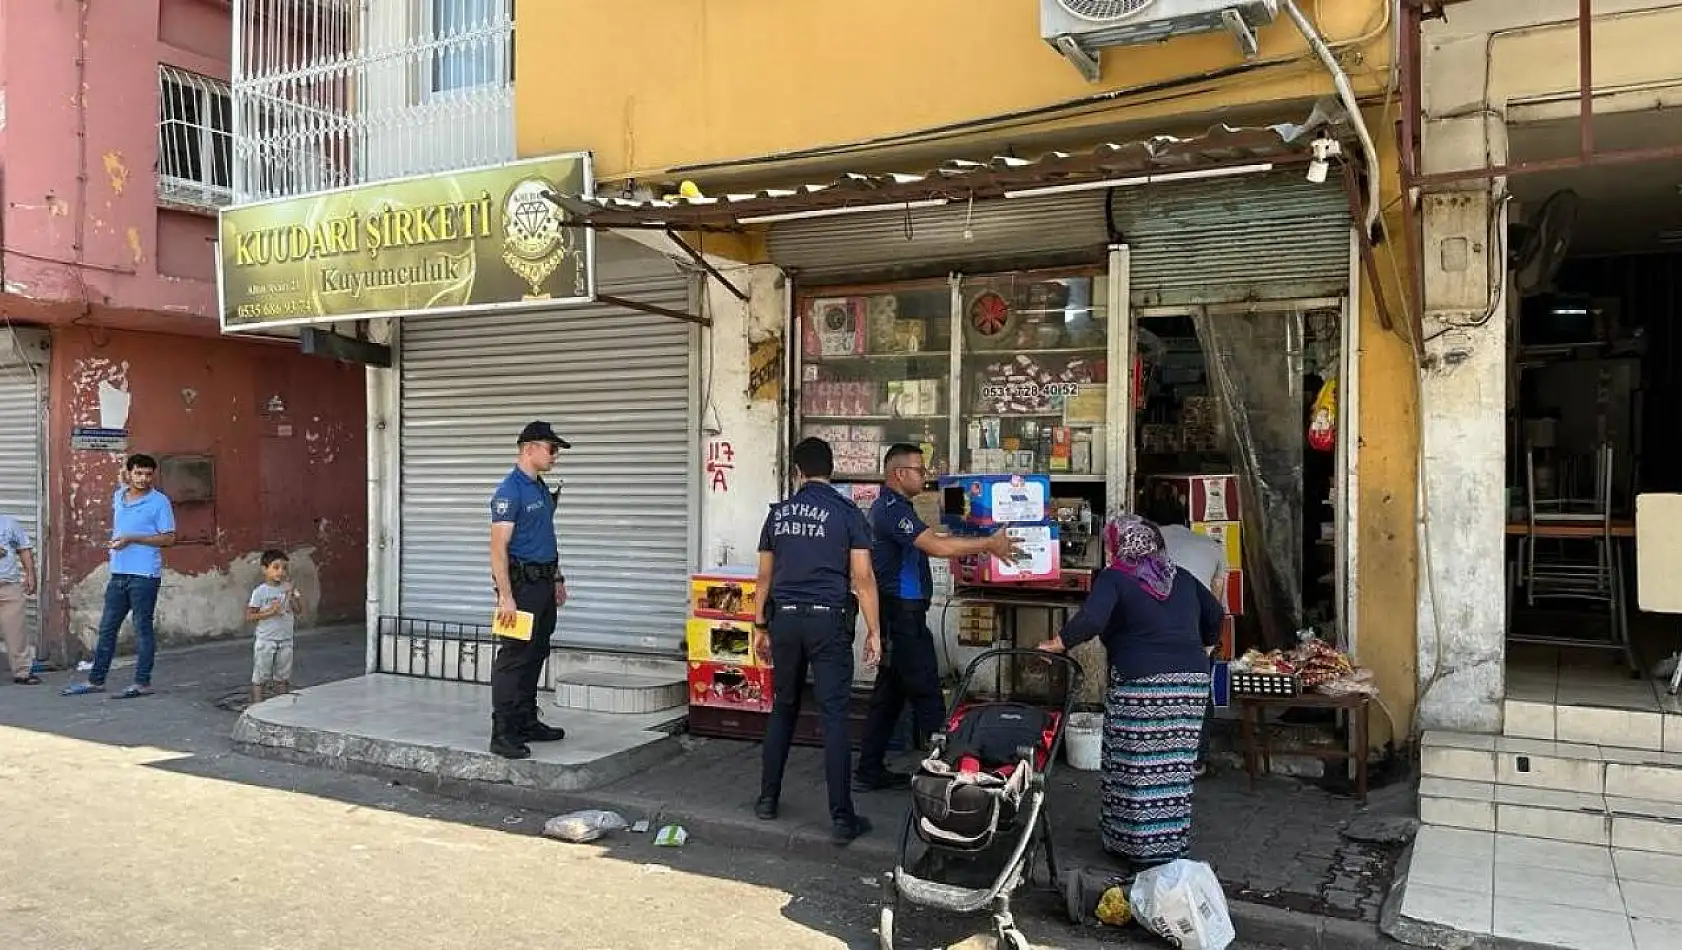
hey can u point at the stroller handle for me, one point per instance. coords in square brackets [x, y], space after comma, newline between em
[1076, 676]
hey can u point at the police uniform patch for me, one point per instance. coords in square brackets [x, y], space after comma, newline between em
[500, 506]
[905, 526]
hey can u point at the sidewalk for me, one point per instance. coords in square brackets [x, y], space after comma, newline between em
[1295, 878]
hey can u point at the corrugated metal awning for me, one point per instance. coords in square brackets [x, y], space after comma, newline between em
[1221, 148]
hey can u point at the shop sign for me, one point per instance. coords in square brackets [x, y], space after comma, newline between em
[479, 239]
[93, 439]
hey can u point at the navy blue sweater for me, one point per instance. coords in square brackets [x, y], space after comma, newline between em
[1145, 636]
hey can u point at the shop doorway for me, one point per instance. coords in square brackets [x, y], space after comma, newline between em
[1224, 401]
[1594, 411]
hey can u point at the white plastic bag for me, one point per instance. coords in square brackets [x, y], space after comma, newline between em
[581, 826]
[1182, 903]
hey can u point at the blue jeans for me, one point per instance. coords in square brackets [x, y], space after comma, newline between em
[126, 593]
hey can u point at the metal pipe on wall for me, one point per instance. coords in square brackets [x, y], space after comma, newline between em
[1346, 94]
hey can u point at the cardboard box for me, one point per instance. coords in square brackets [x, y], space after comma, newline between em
[730, 686]
[721, 641]
[833, 326]
[1206, 497]
[1044, 555]
[725, 594]
[1228, 534]
[1002, 499]
[1235, 592]
[1223, 648]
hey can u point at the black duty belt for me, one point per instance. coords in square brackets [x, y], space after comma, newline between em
[532, 572]
[807, 608]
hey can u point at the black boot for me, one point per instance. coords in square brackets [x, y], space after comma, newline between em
[534, 728]
[506, 740]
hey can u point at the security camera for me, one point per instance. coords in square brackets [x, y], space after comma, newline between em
[1324, 150]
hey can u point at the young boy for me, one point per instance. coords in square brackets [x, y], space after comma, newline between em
[273, 607]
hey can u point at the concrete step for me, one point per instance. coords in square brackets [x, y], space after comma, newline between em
[1561, 791]
[1616, 726]
[625, 693]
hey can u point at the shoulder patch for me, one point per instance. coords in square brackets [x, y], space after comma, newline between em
[500, 506]
[905, 525]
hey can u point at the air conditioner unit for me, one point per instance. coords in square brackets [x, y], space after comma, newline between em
[1080, 29]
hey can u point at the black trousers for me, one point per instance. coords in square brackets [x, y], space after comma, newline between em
[519, 663]
[910, 673]
[812, 637]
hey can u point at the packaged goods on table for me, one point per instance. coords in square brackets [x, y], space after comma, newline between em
[1316, 664]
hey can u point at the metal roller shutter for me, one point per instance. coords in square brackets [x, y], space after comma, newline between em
[951, 235]
[1230, 240]
[21, 400]
[616, 383]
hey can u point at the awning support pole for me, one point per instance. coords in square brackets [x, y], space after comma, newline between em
[657, 311]
[707, 266]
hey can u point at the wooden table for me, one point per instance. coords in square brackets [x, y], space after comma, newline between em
[1258, 748]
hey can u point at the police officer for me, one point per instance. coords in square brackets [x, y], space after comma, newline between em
[900, 556]
[813, 548]
[524, 567]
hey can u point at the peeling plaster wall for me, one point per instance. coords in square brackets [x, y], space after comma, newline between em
[1490, 63]
[80, 150]
[286, 436]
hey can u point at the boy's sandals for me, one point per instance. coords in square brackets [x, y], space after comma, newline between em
[133, 692]
[82, 689]
[28, 680]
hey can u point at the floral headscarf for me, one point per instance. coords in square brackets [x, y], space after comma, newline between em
[1137, 550]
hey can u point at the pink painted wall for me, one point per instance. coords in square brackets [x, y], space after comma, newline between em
[96, 202]
[285, 434]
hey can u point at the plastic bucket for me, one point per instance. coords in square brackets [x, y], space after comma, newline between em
[1083, 741]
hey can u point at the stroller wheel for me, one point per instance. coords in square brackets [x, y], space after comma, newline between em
[885, 929]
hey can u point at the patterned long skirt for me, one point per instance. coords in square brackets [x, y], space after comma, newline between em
[1151, 733]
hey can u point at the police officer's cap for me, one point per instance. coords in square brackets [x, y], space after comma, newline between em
[540, 431]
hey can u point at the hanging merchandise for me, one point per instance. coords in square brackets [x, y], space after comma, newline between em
[1322, 422]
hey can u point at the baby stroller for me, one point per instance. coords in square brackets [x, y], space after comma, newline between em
[977, 825]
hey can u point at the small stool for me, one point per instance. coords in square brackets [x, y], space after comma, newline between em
[1258, 749]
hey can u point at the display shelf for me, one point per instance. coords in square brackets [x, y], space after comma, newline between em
[942, 355]
[817, 417]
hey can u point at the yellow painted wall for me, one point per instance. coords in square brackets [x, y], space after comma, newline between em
[666, 83]
[1388, 467]
[704, 81]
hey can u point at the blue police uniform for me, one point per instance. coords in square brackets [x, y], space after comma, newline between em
[528, 505]
[910, 671]
[811, 537]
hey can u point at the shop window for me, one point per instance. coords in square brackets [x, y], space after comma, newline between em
[1034, 372]
[876, 369]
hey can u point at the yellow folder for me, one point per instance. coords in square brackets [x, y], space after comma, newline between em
[520, 629]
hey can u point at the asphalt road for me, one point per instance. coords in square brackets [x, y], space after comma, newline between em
[133, 824]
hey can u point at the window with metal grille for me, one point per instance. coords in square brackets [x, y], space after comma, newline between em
[473, 44]
[195, 140]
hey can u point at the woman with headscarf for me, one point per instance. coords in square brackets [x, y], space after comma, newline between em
[1158, 625]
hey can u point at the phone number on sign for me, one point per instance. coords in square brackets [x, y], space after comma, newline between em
[296, 307]
[1029, 390]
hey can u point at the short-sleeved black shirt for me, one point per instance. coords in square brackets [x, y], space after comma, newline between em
[811, 537]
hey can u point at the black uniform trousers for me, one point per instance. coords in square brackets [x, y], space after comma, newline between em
[802, 636]
[910, 673]
[519, 663]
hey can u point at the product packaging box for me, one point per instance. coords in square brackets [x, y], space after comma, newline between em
[1228, 534]
[1210, 497]
[1235, 592]
[723, 594]
[730, 686]
[1001, 499]
[834, 326]
[1223, 648]
[1044, 555]
[721, 641]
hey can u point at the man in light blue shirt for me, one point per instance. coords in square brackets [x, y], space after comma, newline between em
[142, 525]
